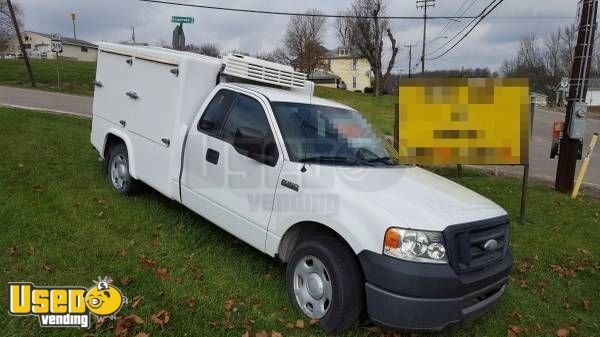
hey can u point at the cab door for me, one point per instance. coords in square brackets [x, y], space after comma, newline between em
[221, 183]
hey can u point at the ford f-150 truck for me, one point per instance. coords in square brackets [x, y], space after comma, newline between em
[245, 144]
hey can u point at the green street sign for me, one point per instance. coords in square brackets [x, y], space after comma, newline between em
[182, 19]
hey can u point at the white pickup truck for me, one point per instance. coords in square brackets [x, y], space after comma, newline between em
[244, 143]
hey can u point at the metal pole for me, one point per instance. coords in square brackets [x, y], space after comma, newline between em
[57, 71]
[526, 169]
[409, 59]
[580, 73]
[23, 51]
[73, 16]
[424, 37]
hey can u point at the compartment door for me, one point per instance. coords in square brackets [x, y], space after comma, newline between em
[114, 74]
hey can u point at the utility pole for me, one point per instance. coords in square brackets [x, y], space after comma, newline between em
[576, 108]
[23, 51]
[424, 4]
[410, 46]
[73, 16]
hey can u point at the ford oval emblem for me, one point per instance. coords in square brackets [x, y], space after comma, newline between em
[490, 245]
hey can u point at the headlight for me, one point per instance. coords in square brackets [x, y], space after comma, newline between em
[415, 245]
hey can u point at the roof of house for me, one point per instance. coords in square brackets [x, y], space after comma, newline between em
[322, 75]
[67, 40]
[334, 53]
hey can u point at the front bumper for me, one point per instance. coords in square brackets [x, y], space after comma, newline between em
[419, 296]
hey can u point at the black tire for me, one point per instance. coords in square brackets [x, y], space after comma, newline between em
[345, 276]
[125, 184]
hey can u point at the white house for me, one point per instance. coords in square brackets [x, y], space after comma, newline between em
[37, 45]
[593, 93]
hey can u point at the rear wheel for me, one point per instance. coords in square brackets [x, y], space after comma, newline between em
[324, 281]
[118, 171]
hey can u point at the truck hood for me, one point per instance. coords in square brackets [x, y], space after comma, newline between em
[410, 197]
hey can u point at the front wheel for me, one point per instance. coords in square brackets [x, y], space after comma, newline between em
[118, 171]
[325, 282]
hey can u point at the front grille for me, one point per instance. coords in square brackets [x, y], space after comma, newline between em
[465, 243]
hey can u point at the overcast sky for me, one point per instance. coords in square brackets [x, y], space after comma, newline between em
[490, 43]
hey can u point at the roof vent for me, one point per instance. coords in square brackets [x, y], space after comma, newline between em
[263, 71]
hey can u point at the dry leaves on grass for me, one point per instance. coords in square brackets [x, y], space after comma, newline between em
[563, 333]
[516, 315]
[197, 275]
[12, 251]
[160, 318]
[562, 271]
[163, 273]
[587, 305]
[300, 324]
[261, 334]
[584, 251]
[135, 302]
[47, 268]
[31, 249]
[142, 334]
[125, 280]
[191, 302]
[120, 253]
[276, 334]
[146, 262]
[124, 323]
[38, 188]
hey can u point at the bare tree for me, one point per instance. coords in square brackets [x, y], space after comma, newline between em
[7, 29]
[208, 49]
[367, 29]
[304, 41]
[342, 29]
[278, 56]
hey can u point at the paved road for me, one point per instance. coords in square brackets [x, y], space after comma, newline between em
[542, 167]
[43, 100]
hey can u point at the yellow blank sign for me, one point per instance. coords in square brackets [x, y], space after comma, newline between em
[463, 121]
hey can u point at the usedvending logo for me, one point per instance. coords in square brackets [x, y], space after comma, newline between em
[66, 306]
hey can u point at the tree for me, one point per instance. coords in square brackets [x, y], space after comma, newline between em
[7, 28]
[278, 56]
[208, 49]
[364, 29]
[304, 41]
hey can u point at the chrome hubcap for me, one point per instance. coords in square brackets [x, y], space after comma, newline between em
[312, 287]
[118, 171]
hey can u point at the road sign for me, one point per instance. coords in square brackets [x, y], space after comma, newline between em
[57, 46]
[182, 19]
[55, 37]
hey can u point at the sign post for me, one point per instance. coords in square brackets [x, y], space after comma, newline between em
[57, 47]
[178, 35]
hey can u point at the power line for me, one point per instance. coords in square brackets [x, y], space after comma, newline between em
[450, 22]
[256, 11]
[470, 30]
[464, 28]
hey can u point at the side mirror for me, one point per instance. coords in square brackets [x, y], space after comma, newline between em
[254, 144]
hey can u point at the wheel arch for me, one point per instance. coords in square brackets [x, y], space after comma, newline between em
[115, 137]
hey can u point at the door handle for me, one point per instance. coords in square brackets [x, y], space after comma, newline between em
[212, 156]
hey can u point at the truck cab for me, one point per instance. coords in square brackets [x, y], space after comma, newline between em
[245, 144]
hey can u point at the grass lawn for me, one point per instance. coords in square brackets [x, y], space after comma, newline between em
[63, 225]
[76, 77]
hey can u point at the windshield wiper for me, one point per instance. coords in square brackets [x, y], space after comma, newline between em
[328, 159]
[379, 160]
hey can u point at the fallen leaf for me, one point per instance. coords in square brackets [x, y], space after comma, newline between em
[160, 318]
[276, 334]
[300, 324]
[246, 334]
[289, 325]
[543, 283]
[517, 330]
[12, 251]
[523, 284]
[516, 315]
[142, 334]
[566, 303]
[125, 280]
[261, 334]
[47, 268]
[147, 263]
[313, 321]
[563, 333]
[163, 273]
[178, 280]
[100, 215]
[587, 305]
[100, 201]
[584, 251]
[248, 323]
[268, 276]
[125, 322]
[31, 249]
[120, 252]
[197, 275]
[280, 320]
[38, 188]
[20, 166]
[562, 271]
[510, 333]
[191, 302]
[228, 305]
[136, 301]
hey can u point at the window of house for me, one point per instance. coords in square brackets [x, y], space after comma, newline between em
[343, 52]
[354, 64]
[353, 82]
[84, 49]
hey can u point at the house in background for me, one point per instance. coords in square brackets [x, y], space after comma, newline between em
[326, 79]
[38, 46]
[593, 94]
[352, 69]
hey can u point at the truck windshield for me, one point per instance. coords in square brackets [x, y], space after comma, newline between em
[335, 136]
